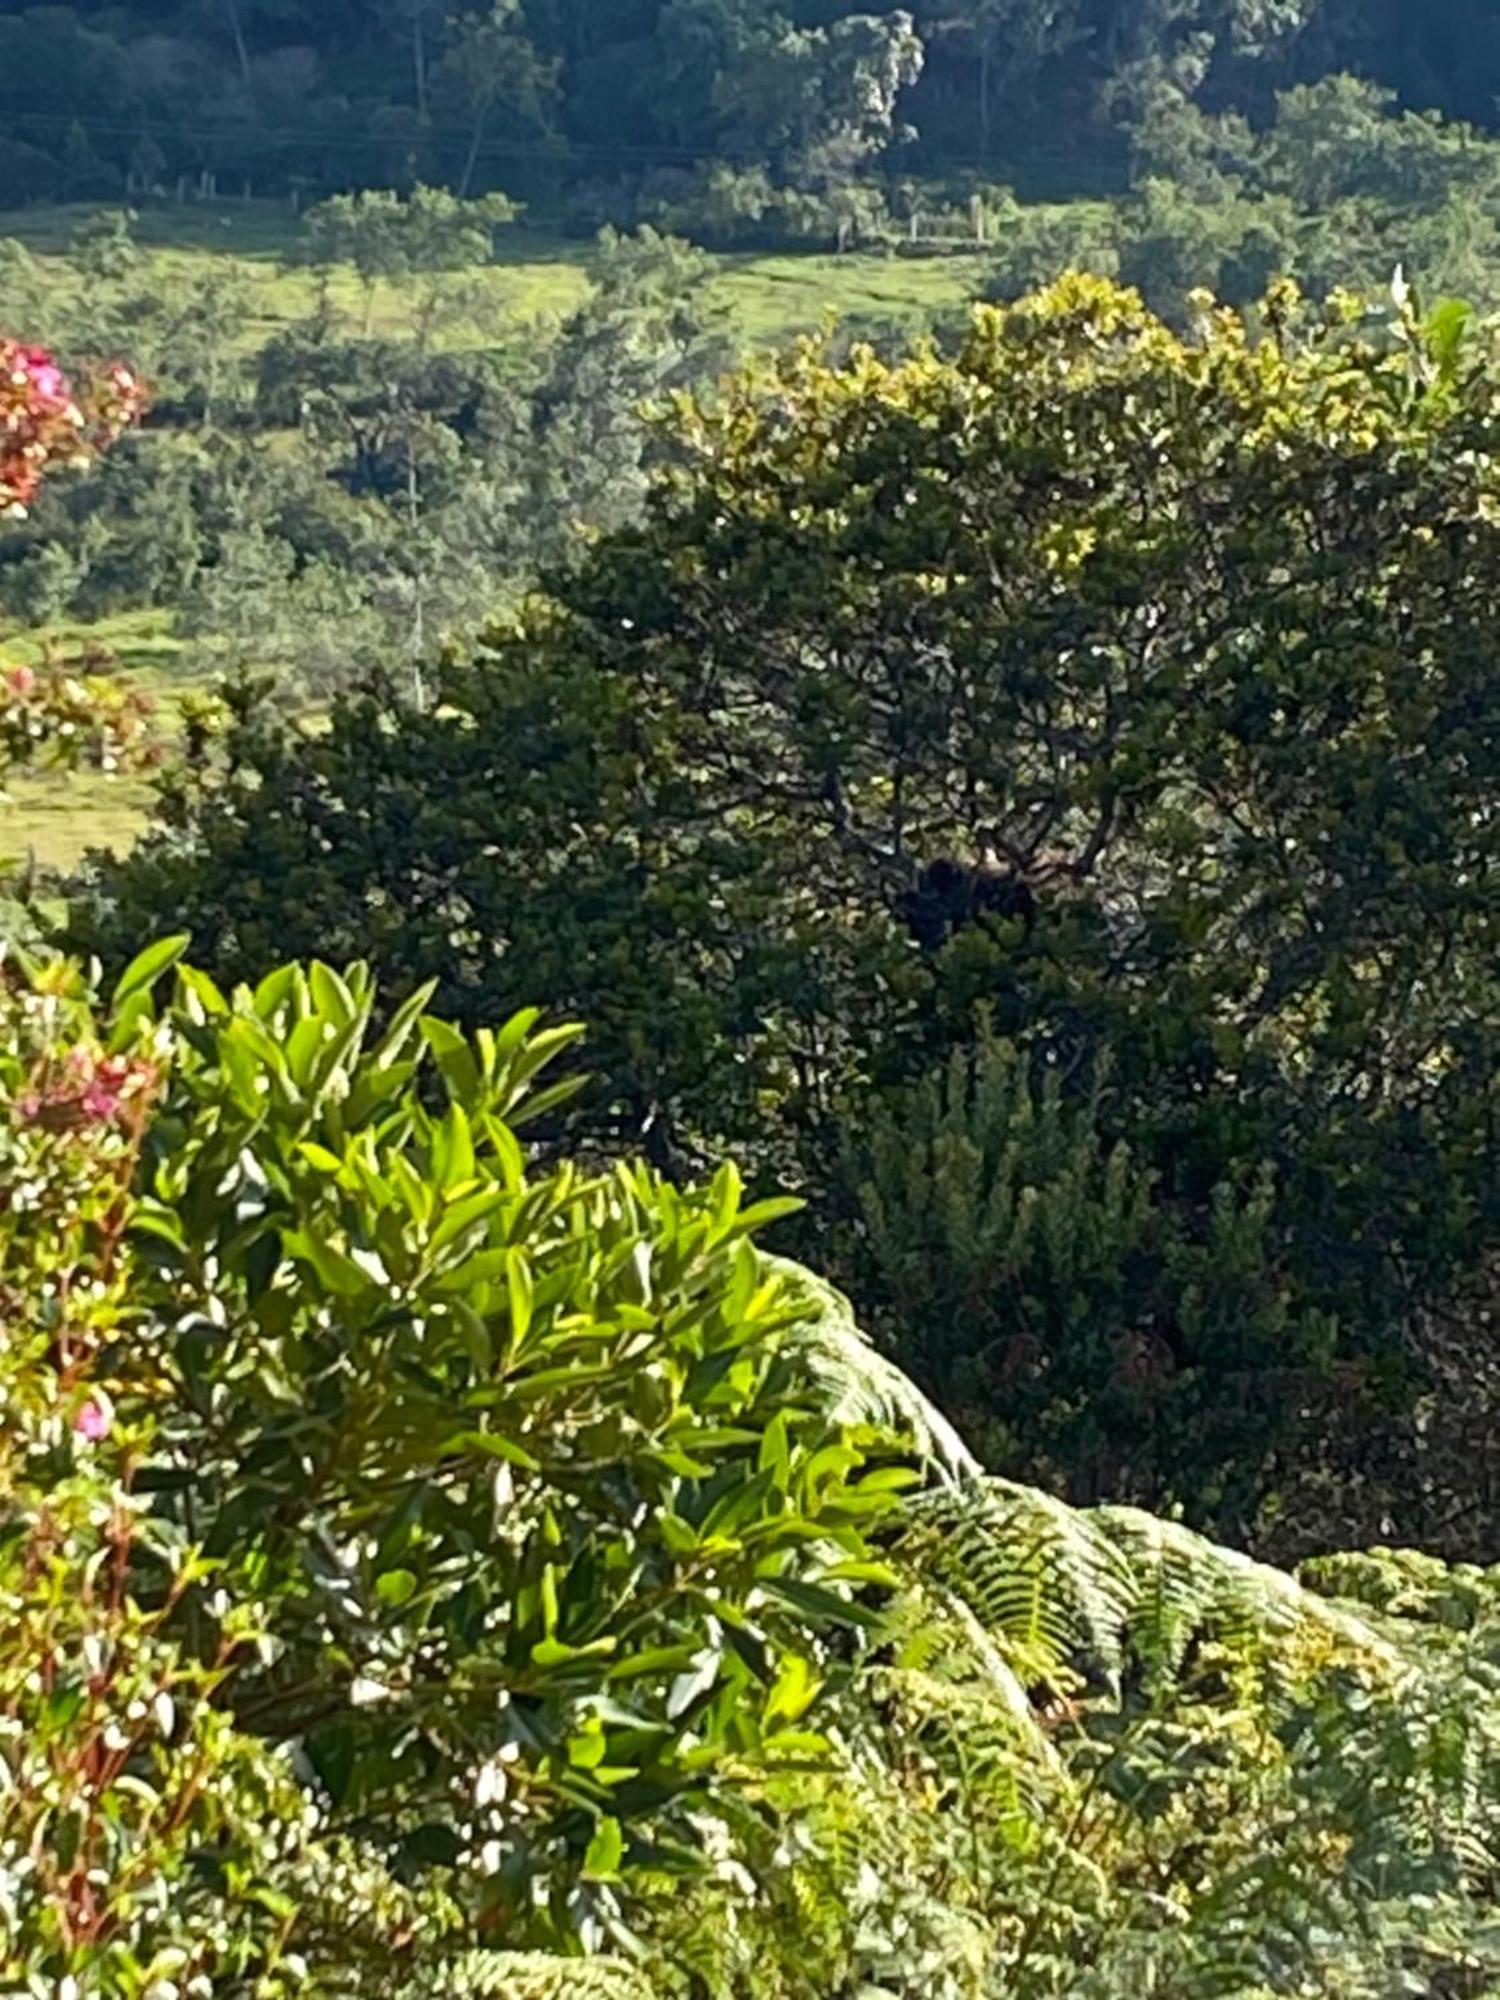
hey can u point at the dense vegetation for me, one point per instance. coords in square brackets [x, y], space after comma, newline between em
[343, 493]
[722, 1510]
[1018, 751]
[423, 1564]
[559, 94]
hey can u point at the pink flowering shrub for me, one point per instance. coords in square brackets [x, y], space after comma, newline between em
[74, 715]
[45, 422]
[70, 715]
[107, 1749]
[119, 1769]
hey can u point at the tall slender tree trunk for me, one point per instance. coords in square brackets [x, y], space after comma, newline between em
[419, 608]
[476, 140]
[419, 55]
[242, 53]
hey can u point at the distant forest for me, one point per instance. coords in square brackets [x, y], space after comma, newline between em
[549, 97]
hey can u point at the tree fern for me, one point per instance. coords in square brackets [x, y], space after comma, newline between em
[856, 1384]
[1037, 1574]
[483, 1975]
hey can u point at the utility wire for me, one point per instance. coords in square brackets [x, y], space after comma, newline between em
[560, 151]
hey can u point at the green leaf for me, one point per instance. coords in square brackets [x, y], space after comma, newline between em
[201, 997]
[148, 966]
[774, 1453]
[402, 1023]
[509, 1154]
[454, 1058]
[553, 1653]
[273, 992]
[762, 1213]
[273, 1901]
[537, 1103]
[696, 1680]
[1445, 327]
[586, 1752]
[463, 1214]
[652, 1660]
[453, 1149]
[331, 1266]
[522, 1293]
[605, 1851]
[396, 1587]
[331, 996]
[795, 1691]
[724, 1195]
[739, 1504]
[492, 1445]
[155, 1219]
[679, 1536]
[824, 1607]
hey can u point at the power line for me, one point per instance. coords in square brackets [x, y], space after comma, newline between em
[560, 152]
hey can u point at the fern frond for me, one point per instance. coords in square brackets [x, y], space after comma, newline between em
[505, 1975]
[1037, 1574]
[857, 1384]
[1185, 1586]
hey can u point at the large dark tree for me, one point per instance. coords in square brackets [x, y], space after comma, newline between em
[1127, 698]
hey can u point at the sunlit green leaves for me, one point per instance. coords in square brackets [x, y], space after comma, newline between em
[540, 1419]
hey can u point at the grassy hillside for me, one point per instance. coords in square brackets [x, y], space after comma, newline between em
[541, 275]
[539, 272]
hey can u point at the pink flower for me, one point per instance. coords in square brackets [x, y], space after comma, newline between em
[86, 1093]
[47, 380]
[20, 680]
[100, 1103]
[92, 1422]
[101, 1096]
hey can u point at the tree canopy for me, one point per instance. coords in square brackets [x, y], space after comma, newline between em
[1113, 696]
[526, 94]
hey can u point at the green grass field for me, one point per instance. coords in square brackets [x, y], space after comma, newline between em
[539, 275]
[56, 817]
[538, 272]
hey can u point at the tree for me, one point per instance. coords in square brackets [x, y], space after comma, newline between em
[492, 66]
[1055, 684]
[422, 239]
[418, 24]
[428, 487]
[820, 101]
[1009, 43]
[649, 329]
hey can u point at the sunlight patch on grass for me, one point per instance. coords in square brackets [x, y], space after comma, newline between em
[538, 274]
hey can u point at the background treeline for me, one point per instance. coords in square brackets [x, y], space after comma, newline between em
[546, 96]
